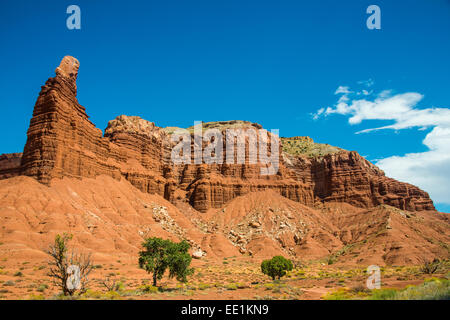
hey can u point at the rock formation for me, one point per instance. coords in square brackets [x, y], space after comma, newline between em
[110, 191]
[62, 142]
[10, 165]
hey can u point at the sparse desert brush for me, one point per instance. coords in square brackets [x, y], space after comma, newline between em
[241, 285]
[231, 286]
[113, 284]
[147, 288]
[431, 289]
[9, 283]
[36, 297]
[42, 287]
[339, 294]
[269, 286]
[180, 286]
[111, 295]
[383, 294]
[99, 295]
[188, 293]
[430, 266]
[360, 289]
[203, 286]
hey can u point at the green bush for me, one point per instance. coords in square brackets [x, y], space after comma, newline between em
[159, 255]
[431, 289]
[383, 294]
[276, 267]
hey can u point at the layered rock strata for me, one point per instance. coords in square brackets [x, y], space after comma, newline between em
[63, 142]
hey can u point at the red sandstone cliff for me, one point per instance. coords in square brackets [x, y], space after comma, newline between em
[62, 142]
[10, 165]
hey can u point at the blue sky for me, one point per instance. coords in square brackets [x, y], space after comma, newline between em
[272, 62]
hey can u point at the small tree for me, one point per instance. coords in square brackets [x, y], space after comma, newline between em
[69, 271]
[276, 267]
[159, 255]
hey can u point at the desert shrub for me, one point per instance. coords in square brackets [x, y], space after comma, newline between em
[231, 286]
[99, 295]
[340, 294]
[276, 267]
[111, 295]
[203, 286]
[360, 290]
[298, 264]
[112, 284]
[241, 285]
[9, 283]
[383, 294]
[42, 288]
[159, 255]
[18, 274]
[69, 271]
[148, 288]
[430, 267]
[431, 289]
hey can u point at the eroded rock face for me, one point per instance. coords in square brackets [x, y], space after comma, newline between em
[10, 165]
[61, 139]
[347, 177]
[63, 142]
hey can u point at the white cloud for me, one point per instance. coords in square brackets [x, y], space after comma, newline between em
[342, 89]
[429, 170]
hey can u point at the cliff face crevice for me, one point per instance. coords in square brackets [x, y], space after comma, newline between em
[63, 142]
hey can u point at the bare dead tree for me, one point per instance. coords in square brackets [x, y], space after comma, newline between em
[109, 284]
[85, 266]
[430, 266]
[68, 271]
